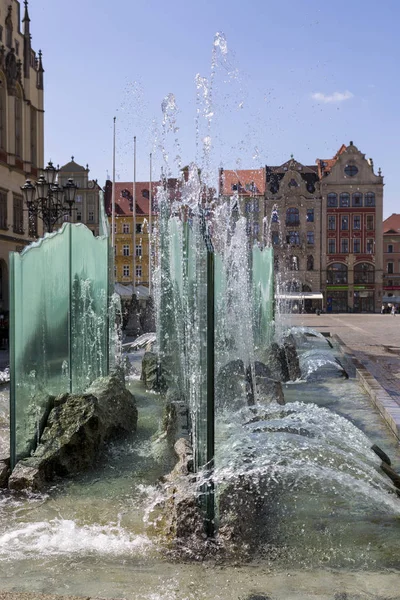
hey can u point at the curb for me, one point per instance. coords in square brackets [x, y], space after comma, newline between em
[387, 407]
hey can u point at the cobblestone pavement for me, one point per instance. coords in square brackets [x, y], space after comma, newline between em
[373, 339]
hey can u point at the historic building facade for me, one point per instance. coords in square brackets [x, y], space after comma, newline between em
[131, 267]
[87, 197]
[352, 262]
[391, 259]
[293, 228]
[21, 131]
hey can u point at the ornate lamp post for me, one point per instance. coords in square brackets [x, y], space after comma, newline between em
[47, 199]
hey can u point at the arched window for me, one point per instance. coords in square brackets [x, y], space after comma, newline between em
[9, 28]
[364, 273]
[369, 199]
[292, 216]
[18, 123]
[336, 274]
[275, 216]
[332, 199]
[344, 199]
[357, 199]
[310, 263]
[3, 119]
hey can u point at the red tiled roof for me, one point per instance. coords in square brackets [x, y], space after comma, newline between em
[392, 224]
[123, 197]
[325, 164]
[244, 180]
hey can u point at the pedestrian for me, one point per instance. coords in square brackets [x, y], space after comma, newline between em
[382, 309]
[393, 310]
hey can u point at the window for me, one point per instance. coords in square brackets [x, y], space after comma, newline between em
[310, 215]
[293, 183]
[331, 222]
[125, 228]
[256, 206]
[293, 237]
[138, 250]
[310, 238]
[275, 217]
[235, 187]
[356, 245]
[370, 222]
[256, 228]
[126, 271]
[18, 214]
[115, 228]
[145, 194]
[370, 246]
[336, 274]
[390, 248]
[390, 282]
[369, 199]
[332, 200]
[344, 246]
[249, 207]
[78, 215]
[390, 269]
[138, 228]
[125, 250]
[3, 127]
[332, 246]
[357, 199]
[364, 273]
[16, 43]
[344, 199]
[293, 263]
[292, 216]
[78, 198]
[276, 263]
[310, 263]
[275, 238]
[345, 223]
[350, 170]
[357, 222]
[90, 216]
[67, 218]
[138, 270]
[3, 210]
[18, 124]
[33, 136]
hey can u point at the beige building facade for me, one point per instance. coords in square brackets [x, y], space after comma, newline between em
[87, 197]
[352, 248]
[21, 131]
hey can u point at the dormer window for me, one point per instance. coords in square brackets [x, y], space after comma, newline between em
[293, 183]
[145, 194]
[235, 187]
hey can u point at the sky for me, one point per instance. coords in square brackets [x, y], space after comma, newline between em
[221, 83]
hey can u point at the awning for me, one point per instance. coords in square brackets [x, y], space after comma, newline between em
[395, 299]
[126, 291]
[300, 296]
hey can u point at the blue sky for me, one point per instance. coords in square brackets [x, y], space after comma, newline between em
[299, 77]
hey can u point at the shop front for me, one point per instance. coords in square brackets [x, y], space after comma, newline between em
[364, 300]
[337, 299]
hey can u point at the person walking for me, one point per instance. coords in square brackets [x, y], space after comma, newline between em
[393, 310]
[382, 309]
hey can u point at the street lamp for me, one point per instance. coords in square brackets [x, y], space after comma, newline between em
[47, 199]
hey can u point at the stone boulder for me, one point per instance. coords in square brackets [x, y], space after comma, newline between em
[4, 472]
[292, 358]
[151, 372]
[232, 386]
[76, 429]
[276, 362]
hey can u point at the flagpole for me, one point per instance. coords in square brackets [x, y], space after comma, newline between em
[134, 215]
[113, 197]
[150, 215]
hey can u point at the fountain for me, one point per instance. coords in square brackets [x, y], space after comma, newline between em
[300, 505]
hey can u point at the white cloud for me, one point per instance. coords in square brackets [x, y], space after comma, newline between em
[332, 98]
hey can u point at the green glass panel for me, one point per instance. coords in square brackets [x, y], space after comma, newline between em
[89, 307]
[58, 328]
[263, 296]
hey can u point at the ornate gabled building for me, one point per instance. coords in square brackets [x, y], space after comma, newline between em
[21, 131]
[87, 197]
[293, 228]
[351, 266]
[391, 259]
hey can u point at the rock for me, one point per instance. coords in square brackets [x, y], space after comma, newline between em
[4, 472]
[76, 429]
[382, 455]
[151, 372]
[269, 391]
[133, 327]
[395, 477]
[277, 363]
[147, 317]
[176, 417]
[231, 386]
[292, 358]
